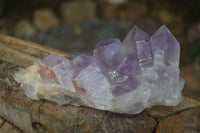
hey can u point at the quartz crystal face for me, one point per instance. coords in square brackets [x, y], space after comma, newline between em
[57, 70]
[93, 87]
[110, 53]
[125, 77]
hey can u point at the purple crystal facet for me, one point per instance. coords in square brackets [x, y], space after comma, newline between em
[138, 43]
[52, 60]
[95, 86]
[164, 45]
[57, 69]
[129, 65]
[124, 84]
[49, 64]
[110, 53]
[80, 62]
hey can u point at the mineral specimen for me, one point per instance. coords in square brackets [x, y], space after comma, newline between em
[125, 77]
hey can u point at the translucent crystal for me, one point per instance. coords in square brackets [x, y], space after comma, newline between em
[126, 77]
[93, 87]
[109, 53]
[57, 69]
[166, 53]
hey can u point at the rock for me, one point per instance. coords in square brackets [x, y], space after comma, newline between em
[187, 122]
[45, 19]
[24, 28]
[135, 10]
[8, 128]
[139, 124]
[160, 112]
[77, 11]
[191, 75]
[108, 11]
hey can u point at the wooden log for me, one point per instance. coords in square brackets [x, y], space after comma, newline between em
[24, 53]
[31, 116]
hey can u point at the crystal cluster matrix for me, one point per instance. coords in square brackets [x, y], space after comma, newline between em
[125, 77]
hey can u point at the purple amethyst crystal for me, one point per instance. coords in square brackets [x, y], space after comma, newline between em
[94, 87]
[110, 53]
[80, 62]
[124, 84]
[122, 77]
[59, 70]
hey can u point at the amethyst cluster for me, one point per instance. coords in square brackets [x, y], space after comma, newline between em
[127, 76]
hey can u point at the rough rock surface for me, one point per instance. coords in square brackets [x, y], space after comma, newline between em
[8, 128]
[187, 121]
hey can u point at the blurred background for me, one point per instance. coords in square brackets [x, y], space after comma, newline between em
[76, 26]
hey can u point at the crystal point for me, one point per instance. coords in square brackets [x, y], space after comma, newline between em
[57, 69]
[81, 62]
[110, 53]
[137, 34]
[126, 77]
[95, 88]
[163, 43]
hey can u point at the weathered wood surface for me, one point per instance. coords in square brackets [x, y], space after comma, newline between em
[42, 116]
[24, 53]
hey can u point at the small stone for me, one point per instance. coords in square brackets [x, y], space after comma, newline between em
[186, 121]
[24, 28]
[77, 11]
[45, 19]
